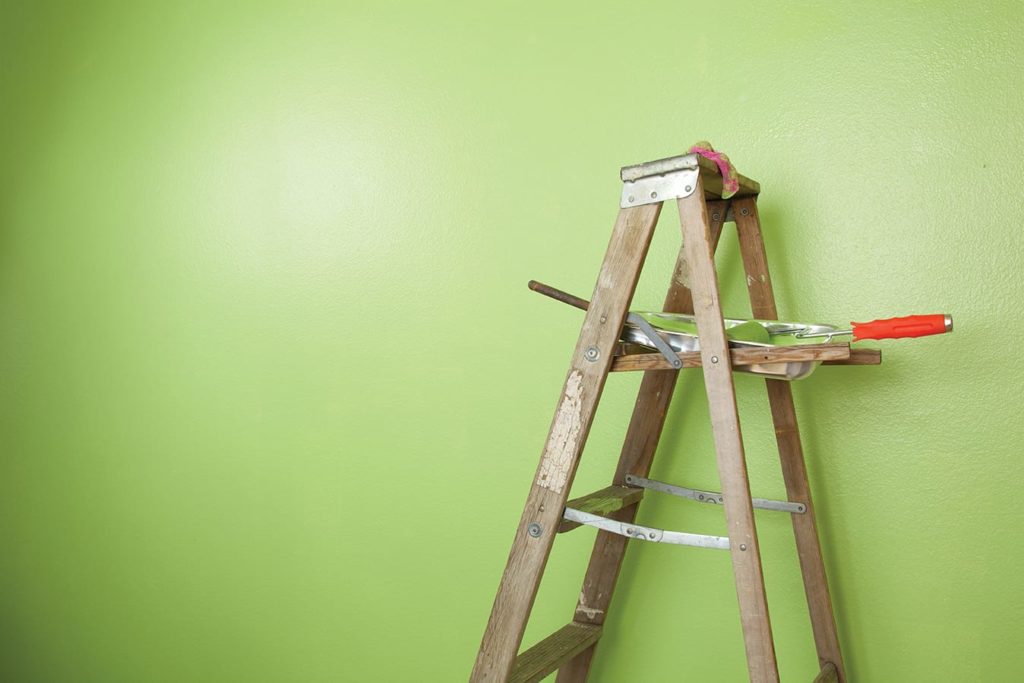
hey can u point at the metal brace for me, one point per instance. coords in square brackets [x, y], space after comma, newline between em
[659, 342]
[712, 496]
[659, 181]
[645, 533]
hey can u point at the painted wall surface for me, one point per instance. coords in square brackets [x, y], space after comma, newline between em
[272, 387]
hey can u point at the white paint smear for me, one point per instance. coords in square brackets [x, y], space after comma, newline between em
[590, 612]
[564, 438]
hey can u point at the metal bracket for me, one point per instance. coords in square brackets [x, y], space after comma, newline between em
[658, 181]
[712, 496]
[656, 339]
[645, 533]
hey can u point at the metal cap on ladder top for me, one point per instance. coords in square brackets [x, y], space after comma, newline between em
[658, 181]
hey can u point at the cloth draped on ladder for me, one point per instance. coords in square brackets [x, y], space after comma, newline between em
[730, 181]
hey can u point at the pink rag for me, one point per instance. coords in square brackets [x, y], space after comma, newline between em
[730, 180]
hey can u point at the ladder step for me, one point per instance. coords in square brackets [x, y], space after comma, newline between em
[551, 653]
[603, 503]
[828, 675]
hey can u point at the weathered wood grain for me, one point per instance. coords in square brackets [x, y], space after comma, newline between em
[738, 356]
[542, 659]
[791, 455]
[604, 502]
[638, 449]
[859, 357]
[828, 674]
[732, 468]
[588, 371]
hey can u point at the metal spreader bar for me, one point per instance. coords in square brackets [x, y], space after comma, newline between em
[712, 496]
[645, 533]
[659, 342]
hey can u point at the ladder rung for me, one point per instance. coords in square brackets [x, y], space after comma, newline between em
[603, 503]
[551, 653]
[828, 675]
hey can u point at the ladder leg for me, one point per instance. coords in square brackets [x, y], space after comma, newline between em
[732, 468]
[573, 417]
[638, 450]
[794, 471]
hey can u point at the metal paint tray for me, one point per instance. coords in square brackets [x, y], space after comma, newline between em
[680, 331]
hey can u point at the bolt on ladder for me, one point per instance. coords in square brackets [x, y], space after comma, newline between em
[696, 184]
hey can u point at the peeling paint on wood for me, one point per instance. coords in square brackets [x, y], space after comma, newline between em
[565, 434]
[591, 613]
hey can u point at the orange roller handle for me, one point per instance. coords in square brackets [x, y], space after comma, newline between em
[907, 326]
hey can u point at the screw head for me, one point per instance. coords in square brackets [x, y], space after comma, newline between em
[534, 530]
[744, 211]
[743, 546]
[631, 198]
[689, 188]
[652, 535]
[714, 359]
[654, 195]
[714, 216]
[592, 353]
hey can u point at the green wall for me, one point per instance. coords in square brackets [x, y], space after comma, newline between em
[272, 388]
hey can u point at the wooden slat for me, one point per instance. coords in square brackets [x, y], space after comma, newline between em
[828, 674]
[739, 357]
[860, 357]
[604, 502]
[584, 383]
[791, 455]
[629, 349]
[638, 449]
[732, 467]
[718, 211]
[549, 654]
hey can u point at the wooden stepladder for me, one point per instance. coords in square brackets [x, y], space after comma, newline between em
[697, 186]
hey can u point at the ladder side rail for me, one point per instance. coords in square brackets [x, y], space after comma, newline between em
[794, 469]
[641, 442]
[718, 382]
[587, 374]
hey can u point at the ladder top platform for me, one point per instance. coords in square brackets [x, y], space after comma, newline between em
[710, 174]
